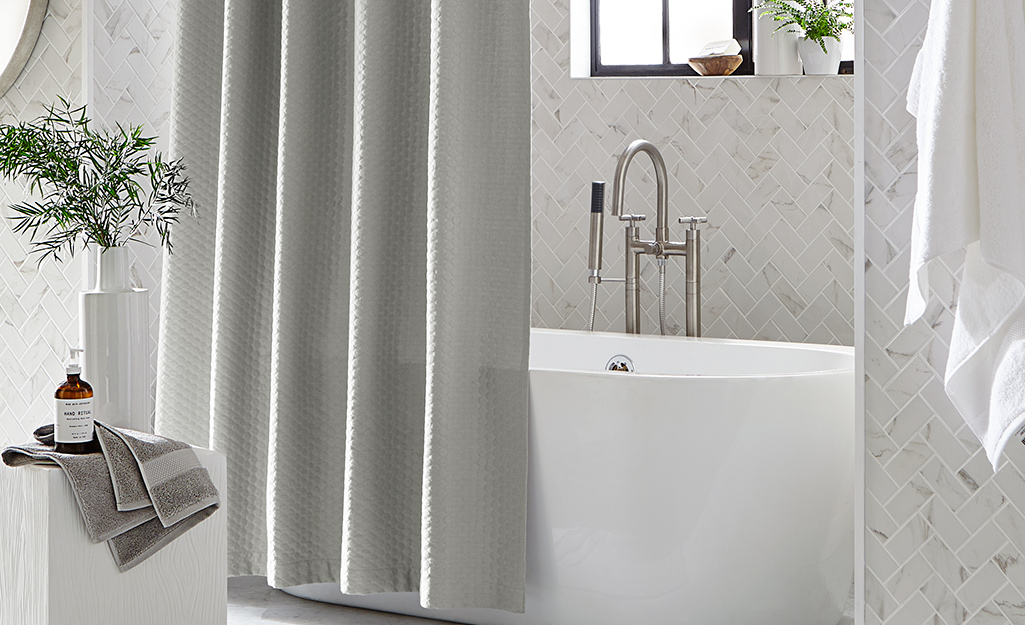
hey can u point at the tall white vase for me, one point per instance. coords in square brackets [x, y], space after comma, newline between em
[115, 336]
[775, 53]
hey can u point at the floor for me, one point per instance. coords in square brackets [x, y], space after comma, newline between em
[252, 602]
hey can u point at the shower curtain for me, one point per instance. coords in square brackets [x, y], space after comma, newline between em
[348, 318]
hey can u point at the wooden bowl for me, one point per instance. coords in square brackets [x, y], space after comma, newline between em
[716, 65]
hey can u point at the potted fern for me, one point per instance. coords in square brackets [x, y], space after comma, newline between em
[98, 191]
[819, 23]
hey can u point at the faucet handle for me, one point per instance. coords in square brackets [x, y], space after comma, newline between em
[693, 222]
[632, 218]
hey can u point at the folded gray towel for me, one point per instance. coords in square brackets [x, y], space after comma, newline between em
[172, 479]
[139, 493]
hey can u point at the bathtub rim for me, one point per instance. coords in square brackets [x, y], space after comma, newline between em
[844, 350]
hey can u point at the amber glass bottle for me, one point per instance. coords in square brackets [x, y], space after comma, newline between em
[73, 431]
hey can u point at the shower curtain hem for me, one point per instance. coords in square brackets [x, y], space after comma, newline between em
[374, 580]
[247, 563]
[298, 572]
[495, 597]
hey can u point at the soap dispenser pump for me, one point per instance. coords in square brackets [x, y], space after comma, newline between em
[73, 424]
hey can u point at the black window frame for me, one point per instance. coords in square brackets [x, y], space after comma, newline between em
[742, 27]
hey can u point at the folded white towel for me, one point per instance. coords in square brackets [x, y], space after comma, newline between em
[968, 94]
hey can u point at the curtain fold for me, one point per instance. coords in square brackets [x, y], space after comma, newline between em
[348, 319]
[388, 362]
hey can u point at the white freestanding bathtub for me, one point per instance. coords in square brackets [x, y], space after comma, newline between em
[714, 485]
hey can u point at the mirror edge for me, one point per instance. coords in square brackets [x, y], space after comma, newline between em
[27, 43]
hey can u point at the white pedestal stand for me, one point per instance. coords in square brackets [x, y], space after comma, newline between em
[51, 574]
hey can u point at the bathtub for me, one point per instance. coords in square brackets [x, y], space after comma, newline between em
[712, 485]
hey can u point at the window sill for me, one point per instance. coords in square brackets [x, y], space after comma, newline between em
[732, 76]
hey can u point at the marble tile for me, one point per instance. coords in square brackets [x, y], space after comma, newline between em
[976, 526]
[909, 578]
[909, 539]
[734, 148]
[1012, 604]
[35, 327]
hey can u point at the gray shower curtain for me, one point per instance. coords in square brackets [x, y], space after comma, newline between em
[348, 318]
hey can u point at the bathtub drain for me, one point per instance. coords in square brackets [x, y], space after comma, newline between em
[619, 362]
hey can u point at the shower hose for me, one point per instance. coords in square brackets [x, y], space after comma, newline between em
[662, 296]
[661, 300]
[594, 305]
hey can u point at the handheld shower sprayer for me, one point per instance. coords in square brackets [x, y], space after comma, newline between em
[595, 244]
[597, 231]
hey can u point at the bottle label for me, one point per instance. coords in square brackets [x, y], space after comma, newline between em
[74, 422]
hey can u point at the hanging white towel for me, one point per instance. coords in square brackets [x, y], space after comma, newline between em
[968, 94]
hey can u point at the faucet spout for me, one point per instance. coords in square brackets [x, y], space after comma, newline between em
[662, 190]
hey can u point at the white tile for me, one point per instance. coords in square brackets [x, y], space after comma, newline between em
[981, 547]
[722, 141]
[989, 614]
[907, 540]
[944, 523]
[950, 489]
[909, 578]
[944, 562]
[981, 587]
[878, 600]
[980, 507]
[1011, 603]
[941, 597]
[908, 460]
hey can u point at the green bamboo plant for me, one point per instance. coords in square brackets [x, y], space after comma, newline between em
[815, 19]
[91, 183]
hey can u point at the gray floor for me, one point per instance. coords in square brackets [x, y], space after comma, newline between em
[252, 602]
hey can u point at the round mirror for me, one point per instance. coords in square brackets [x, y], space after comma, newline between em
[20, 22]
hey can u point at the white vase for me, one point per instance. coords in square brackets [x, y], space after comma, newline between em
[819, 63]
[775, 53]
[115, 339]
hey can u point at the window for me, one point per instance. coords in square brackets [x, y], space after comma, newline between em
[656, 37]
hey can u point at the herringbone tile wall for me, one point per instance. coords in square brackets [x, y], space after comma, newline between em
[768, 160]
[130, 81]
[944, 536]
[131, 68]
[38, 304]
[131, 57]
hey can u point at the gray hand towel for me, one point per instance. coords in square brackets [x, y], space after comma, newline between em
[172, 478]
[139, 493]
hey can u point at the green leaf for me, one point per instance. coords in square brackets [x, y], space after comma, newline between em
[816, 19]
[91, 184]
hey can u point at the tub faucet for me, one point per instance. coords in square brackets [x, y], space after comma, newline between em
[661, 247]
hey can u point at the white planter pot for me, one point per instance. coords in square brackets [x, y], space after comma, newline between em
[819, 63]
[115, 336]
[774, 53]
